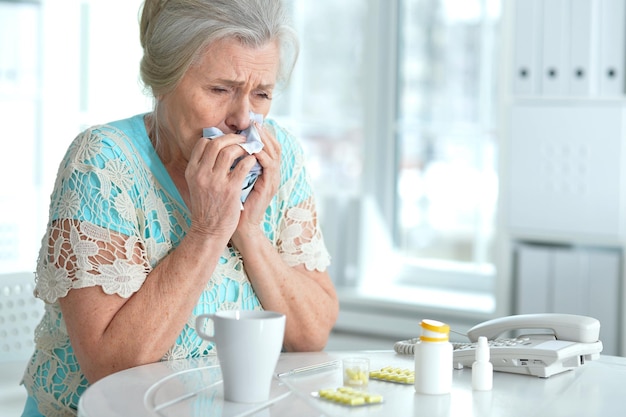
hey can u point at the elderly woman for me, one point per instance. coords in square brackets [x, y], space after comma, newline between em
[147, 227]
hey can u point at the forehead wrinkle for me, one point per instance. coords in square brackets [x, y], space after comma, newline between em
[235, 83]
[241, 66]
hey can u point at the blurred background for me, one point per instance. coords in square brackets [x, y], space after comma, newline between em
[455, 179]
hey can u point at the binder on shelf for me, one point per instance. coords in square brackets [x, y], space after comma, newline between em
[555, 47]
[527, 41]
[612, 44]
[582, 72]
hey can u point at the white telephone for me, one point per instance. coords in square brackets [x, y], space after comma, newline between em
[573, 342]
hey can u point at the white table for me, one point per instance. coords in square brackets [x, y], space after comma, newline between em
[193, 388]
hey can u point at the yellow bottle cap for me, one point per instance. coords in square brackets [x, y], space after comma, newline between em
[434, 331]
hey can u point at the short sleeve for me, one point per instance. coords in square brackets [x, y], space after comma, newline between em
[299, 238]
[93, 235]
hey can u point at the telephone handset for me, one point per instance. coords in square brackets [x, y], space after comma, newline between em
[565, 326]
[574, 341]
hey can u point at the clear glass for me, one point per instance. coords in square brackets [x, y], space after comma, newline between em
[446, 175]
[356, 372]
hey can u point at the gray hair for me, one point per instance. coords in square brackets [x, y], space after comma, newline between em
[173, 33]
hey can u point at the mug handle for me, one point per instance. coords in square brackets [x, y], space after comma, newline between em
[200, 321]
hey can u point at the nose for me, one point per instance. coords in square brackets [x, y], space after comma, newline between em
[238, 116]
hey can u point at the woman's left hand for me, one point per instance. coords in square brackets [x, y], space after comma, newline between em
[306, 297]
[265, 187]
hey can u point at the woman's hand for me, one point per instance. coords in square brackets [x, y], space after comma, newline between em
[215, 189]
[265, 187]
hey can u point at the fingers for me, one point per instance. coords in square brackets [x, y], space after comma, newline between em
[268, 182]
[244, 165]
[215, 188]
[270, 144]
[220, 164]
[269, 156]
[217, 155]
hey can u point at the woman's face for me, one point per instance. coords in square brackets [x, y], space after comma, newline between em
[220, 89]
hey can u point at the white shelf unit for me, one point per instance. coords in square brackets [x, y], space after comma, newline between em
[564, 181]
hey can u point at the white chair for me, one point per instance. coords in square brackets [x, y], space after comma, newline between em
[20, 312]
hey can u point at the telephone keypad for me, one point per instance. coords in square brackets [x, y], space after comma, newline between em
[499, 342]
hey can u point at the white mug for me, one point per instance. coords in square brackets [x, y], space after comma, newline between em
[248, 346]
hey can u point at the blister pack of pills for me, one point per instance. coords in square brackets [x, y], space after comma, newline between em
[348, 396]
[391, 374]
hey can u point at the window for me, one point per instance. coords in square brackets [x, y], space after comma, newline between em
[400, 124]
[447, 182]
[324, 102]
[19, 95]
[59, 72]
[447, 179]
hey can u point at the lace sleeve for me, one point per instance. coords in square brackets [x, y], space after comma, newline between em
[299, 240]
[81, 254]
[93, 237]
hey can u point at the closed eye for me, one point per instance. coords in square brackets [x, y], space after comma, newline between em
[263, 94]
[219, 90]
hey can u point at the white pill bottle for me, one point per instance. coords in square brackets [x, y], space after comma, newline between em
[433, 359]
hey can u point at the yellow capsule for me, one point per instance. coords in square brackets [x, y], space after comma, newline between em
[374, 398]
[346, 398]
[356, 401]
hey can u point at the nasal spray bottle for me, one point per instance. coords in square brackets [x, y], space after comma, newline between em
[482, 369]
[433, 359]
